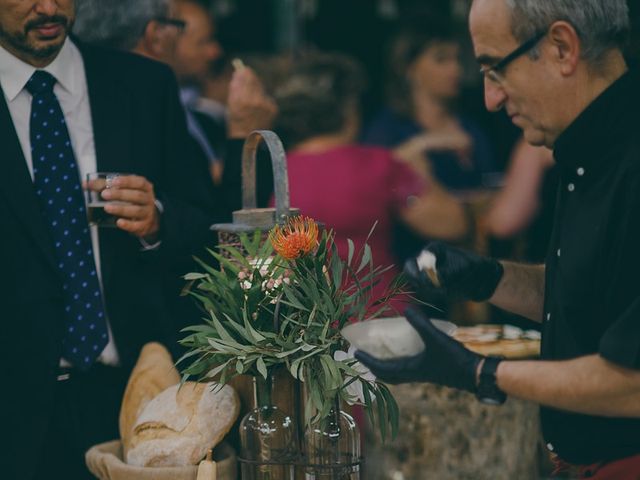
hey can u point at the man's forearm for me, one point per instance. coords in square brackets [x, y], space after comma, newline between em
[521, 290]
[590, 385]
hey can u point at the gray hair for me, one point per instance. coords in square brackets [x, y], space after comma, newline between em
[116, 23]
[602, 25]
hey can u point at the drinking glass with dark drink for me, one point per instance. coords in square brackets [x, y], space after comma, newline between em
[96, 184]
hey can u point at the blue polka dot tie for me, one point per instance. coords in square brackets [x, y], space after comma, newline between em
[57, 183]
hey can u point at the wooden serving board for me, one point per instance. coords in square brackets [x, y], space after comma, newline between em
[487, 340]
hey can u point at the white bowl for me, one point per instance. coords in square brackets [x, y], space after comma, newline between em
[392, 337]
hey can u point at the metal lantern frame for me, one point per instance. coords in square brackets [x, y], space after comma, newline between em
[250, 218]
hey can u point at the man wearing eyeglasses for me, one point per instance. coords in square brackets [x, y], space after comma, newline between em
[557, 69]
[179, 33]
[196, 50]
[149, 28]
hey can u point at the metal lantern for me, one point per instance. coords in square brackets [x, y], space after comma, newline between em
[331, 452]
[250, 218]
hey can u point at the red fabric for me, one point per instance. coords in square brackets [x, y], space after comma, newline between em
[349, 188]
[623, 469]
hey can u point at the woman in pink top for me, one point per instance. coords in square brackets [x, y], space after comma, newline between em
[350, 187]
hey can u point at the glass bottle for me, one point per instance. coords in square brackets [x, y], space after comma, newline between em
[332, 447]
[268, 437]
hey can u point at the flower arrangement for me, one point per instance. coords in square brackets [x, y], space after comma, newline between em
[282, 303]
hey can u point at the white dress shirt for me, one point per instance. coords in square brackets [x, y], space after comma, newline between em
[73, 96]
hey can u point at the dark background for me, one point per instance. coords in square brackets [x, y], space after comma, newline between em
[361, 28]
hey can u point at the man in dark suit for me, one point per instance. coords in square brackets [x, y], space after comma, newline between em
[78, 303]
[196, 50]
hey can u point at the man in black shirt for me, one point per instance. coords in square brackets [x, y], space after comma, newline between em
[558, 71]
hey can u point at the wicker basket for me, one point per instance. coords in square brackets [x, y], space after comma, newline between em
[105, 462]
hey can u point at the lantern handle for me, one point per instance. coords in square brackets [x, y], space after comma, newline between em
[279, 166]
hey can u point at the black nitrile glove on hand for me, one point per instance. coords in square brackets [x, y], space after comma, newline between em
[463, 275]
[444, 360]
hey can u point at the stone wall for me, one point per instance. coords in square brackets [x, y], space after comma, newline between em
[447, 434]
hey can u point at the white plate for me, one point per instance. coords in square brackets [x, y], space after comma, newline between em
[392, 337]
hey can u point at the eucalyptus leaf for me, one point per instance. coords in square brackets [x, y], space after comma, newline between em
[322, 293]
[188, 355]
[195, 276]
[222, 348]
[199, 328]
[382, 424]
[215, 371]
[293, 300]
[294, 368]
[240, 367]
[262, 368]
[326, 371]
[220, 330]
[288, 353]
[255, 335]
[367, 402]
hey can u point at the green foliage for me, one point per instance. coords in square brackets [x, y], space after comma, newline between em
[263, 311]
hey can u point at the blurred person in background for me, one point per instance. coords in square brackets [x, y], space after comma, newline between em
[524, 206]
[179, 33]
[197, 47]
[215, 90]
[425, 76]
[196, 50]
[633, 50]
[145, 27]
[249, 107]
[347, 186]
[420, 124]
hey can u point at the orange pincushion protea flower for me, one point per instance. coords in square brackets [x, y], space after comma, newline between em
[296, 238]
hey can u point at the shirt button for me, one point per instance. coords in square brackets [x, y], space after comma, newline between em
[580, 171]
[558, 252]
[550, 447]
[571, 187]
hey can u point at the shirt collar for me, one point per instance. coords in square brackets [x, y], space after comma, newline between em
[603, 122]
[189, 96]
[14, 73]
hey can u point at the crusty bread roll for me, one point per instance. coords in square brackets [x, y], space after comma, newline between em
[181, 424]
[154, 372]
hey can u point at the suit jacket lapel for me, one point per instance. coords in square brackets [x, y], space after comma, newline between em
[110, 114]
[17, 186]
[112, 129]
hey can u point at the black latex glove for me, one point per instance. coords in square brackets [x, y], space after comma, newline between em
[463, 275]
[444, 360]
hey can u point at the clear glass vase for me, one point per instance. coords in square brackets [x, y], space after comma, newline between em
[332, 447]
[268, 437]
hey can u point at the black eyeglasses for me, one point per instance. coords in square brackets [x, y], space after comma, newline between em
[174, 22]
[495, 72]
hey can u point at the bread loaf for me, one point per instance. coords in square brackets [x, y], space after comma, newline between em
[154, 372]
[180, 425]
